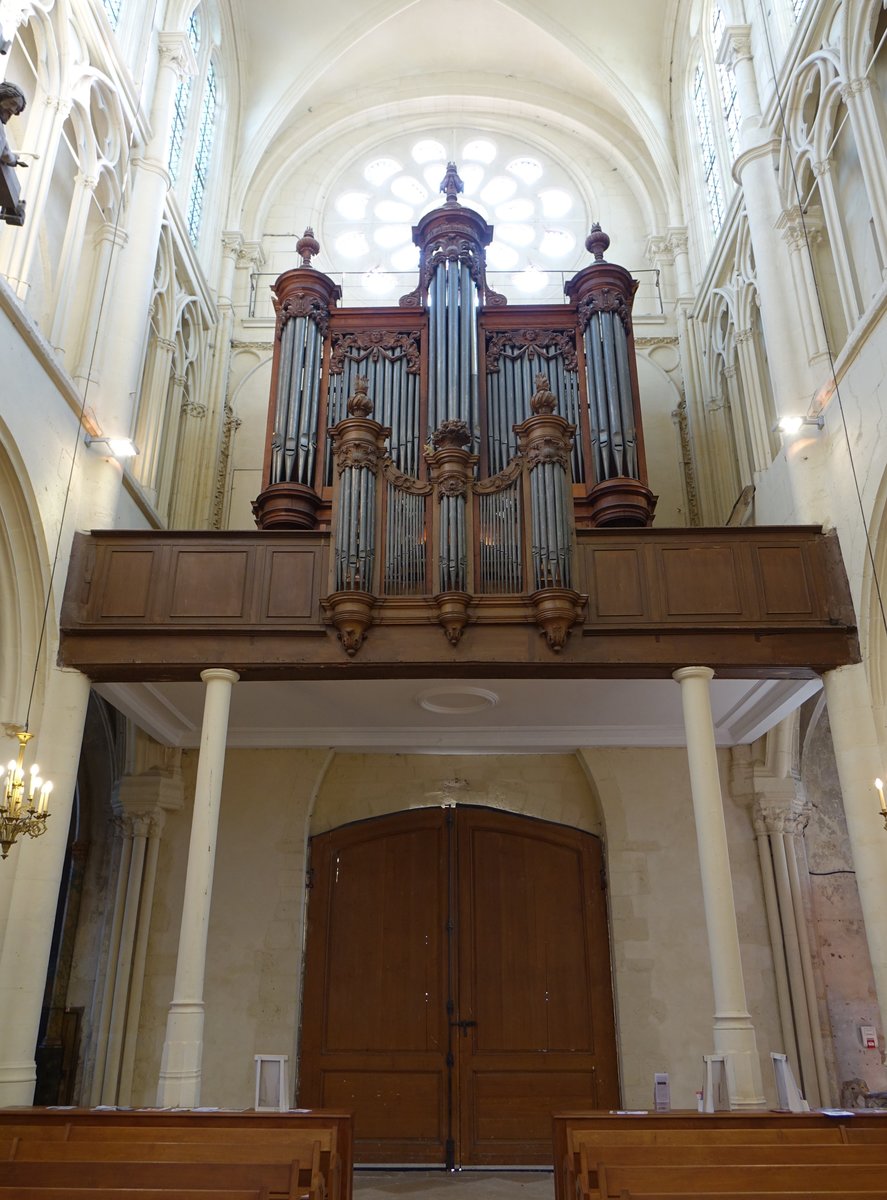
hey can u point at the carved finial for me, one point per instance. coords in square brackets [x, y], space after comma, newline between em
[359, 404]
[307, 246]
[451, 435]
[452, 184]
[597, 242]
[543, 399]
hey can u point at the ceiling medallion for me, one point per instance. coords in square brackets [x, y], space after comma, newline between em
[458, 700]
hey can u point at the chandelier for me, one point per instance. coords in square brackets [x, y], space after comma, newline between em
[24, 801]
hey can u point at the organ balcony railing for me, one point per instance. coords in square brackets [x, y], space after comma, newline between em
[452, 445]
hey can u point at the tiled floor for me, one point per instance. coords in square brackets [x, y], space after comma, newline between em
[454, 1185]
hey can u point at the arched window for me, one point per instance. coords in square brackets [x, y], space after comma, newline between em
[726, 83]
[193, 126]
[711, 172]
[714, 95]
[112, 8]
[203, 157]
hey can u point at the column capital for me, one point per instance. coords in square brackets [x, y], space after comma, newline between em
[678, 239]
[684, 673]
[735, 46]
[232, 243]
[174, 50]
[219, 673]
[250, 256]
[781, 814]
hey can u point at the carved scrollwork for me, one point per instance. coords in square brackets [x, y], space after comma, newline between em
[605, 300]
[499, 482]
[360, 455]
[548, 450]
[375, 344]
[452, 485]
[303, 304]
[403, 483]
[534, 343]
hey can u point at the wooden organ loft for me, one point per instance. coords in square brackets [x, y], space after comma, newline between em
[453, 445]
[465, 482]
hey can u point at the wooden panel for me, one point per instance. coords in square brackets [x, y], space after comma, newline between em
[617, 589]
[126, 583]
[748, 601]
[511, 1107]
[534, 974]
[290, 586]
[208, 583]
[700, 581]
[784, 581]
[375, 1026]
[390, 1106]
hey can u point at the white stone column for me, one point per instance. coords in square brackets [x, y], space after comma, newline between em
[118, 373]
[734, 1034]
[858, 758]
[28, 940]
[180, 1069]
[861, 104]
[70, 259]
[755, 170]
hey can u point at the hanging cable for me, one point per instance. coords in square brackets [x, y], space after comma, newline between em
[821, 305]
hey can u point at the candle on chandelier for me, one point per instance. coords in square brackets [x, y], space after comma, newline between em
[879, 784]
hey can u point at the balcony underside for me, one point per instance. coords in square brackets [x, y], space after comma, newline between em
[751, 603]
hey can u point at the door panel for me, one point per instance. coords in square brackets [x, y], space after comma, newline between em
[493, 920]
[534, 974]
[375, 1029]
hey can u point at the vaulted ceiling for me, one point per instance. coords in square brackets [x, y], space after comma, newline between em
[581, 78]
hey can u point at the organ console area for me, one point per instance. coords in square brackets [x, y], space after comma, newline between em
[452, 446]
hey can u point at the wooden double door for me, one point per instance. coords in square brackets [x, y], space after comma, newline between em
[457, 984]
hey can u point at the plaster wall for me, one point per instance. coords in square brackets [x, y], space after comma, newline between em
[840, 947]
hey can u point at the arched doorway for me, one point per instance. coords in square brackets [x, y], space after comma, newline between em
[457, 984]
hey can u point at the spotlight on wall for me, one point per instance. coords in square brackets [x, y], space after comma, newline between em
[792, 423]
[115, 447]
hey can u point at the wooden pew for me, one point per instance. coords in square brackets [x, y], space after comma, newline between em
[333, 1129]
[594, 1134]
[842, 1194]
[129, 1193]
[288, 1181]
[617, 1180]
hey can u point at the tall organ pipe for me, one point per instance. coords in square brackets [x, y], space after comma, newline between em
[303, 298]
[603, 294]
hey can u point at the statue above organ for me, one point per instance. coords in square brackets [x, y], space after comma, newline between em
[452, 445]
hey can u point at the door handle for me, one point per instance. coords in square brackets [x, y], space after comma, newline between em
[463, 1025]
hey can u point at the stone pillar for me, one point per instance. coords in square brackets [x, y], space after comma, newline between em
[779, 819]
[865, 122]
[26, 946]
[859, 762]
[71, 256]
[144, 800]
[123, 354]
[755, 171]
[734, 1034]
[180, 1069]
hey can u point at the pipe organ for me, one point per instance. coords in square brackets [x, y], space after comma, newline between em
[452, 445]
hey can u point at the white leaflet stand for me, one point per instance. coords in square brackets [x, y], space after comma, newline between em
[715, 1093]
[271, 1084]
[788, 1095]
